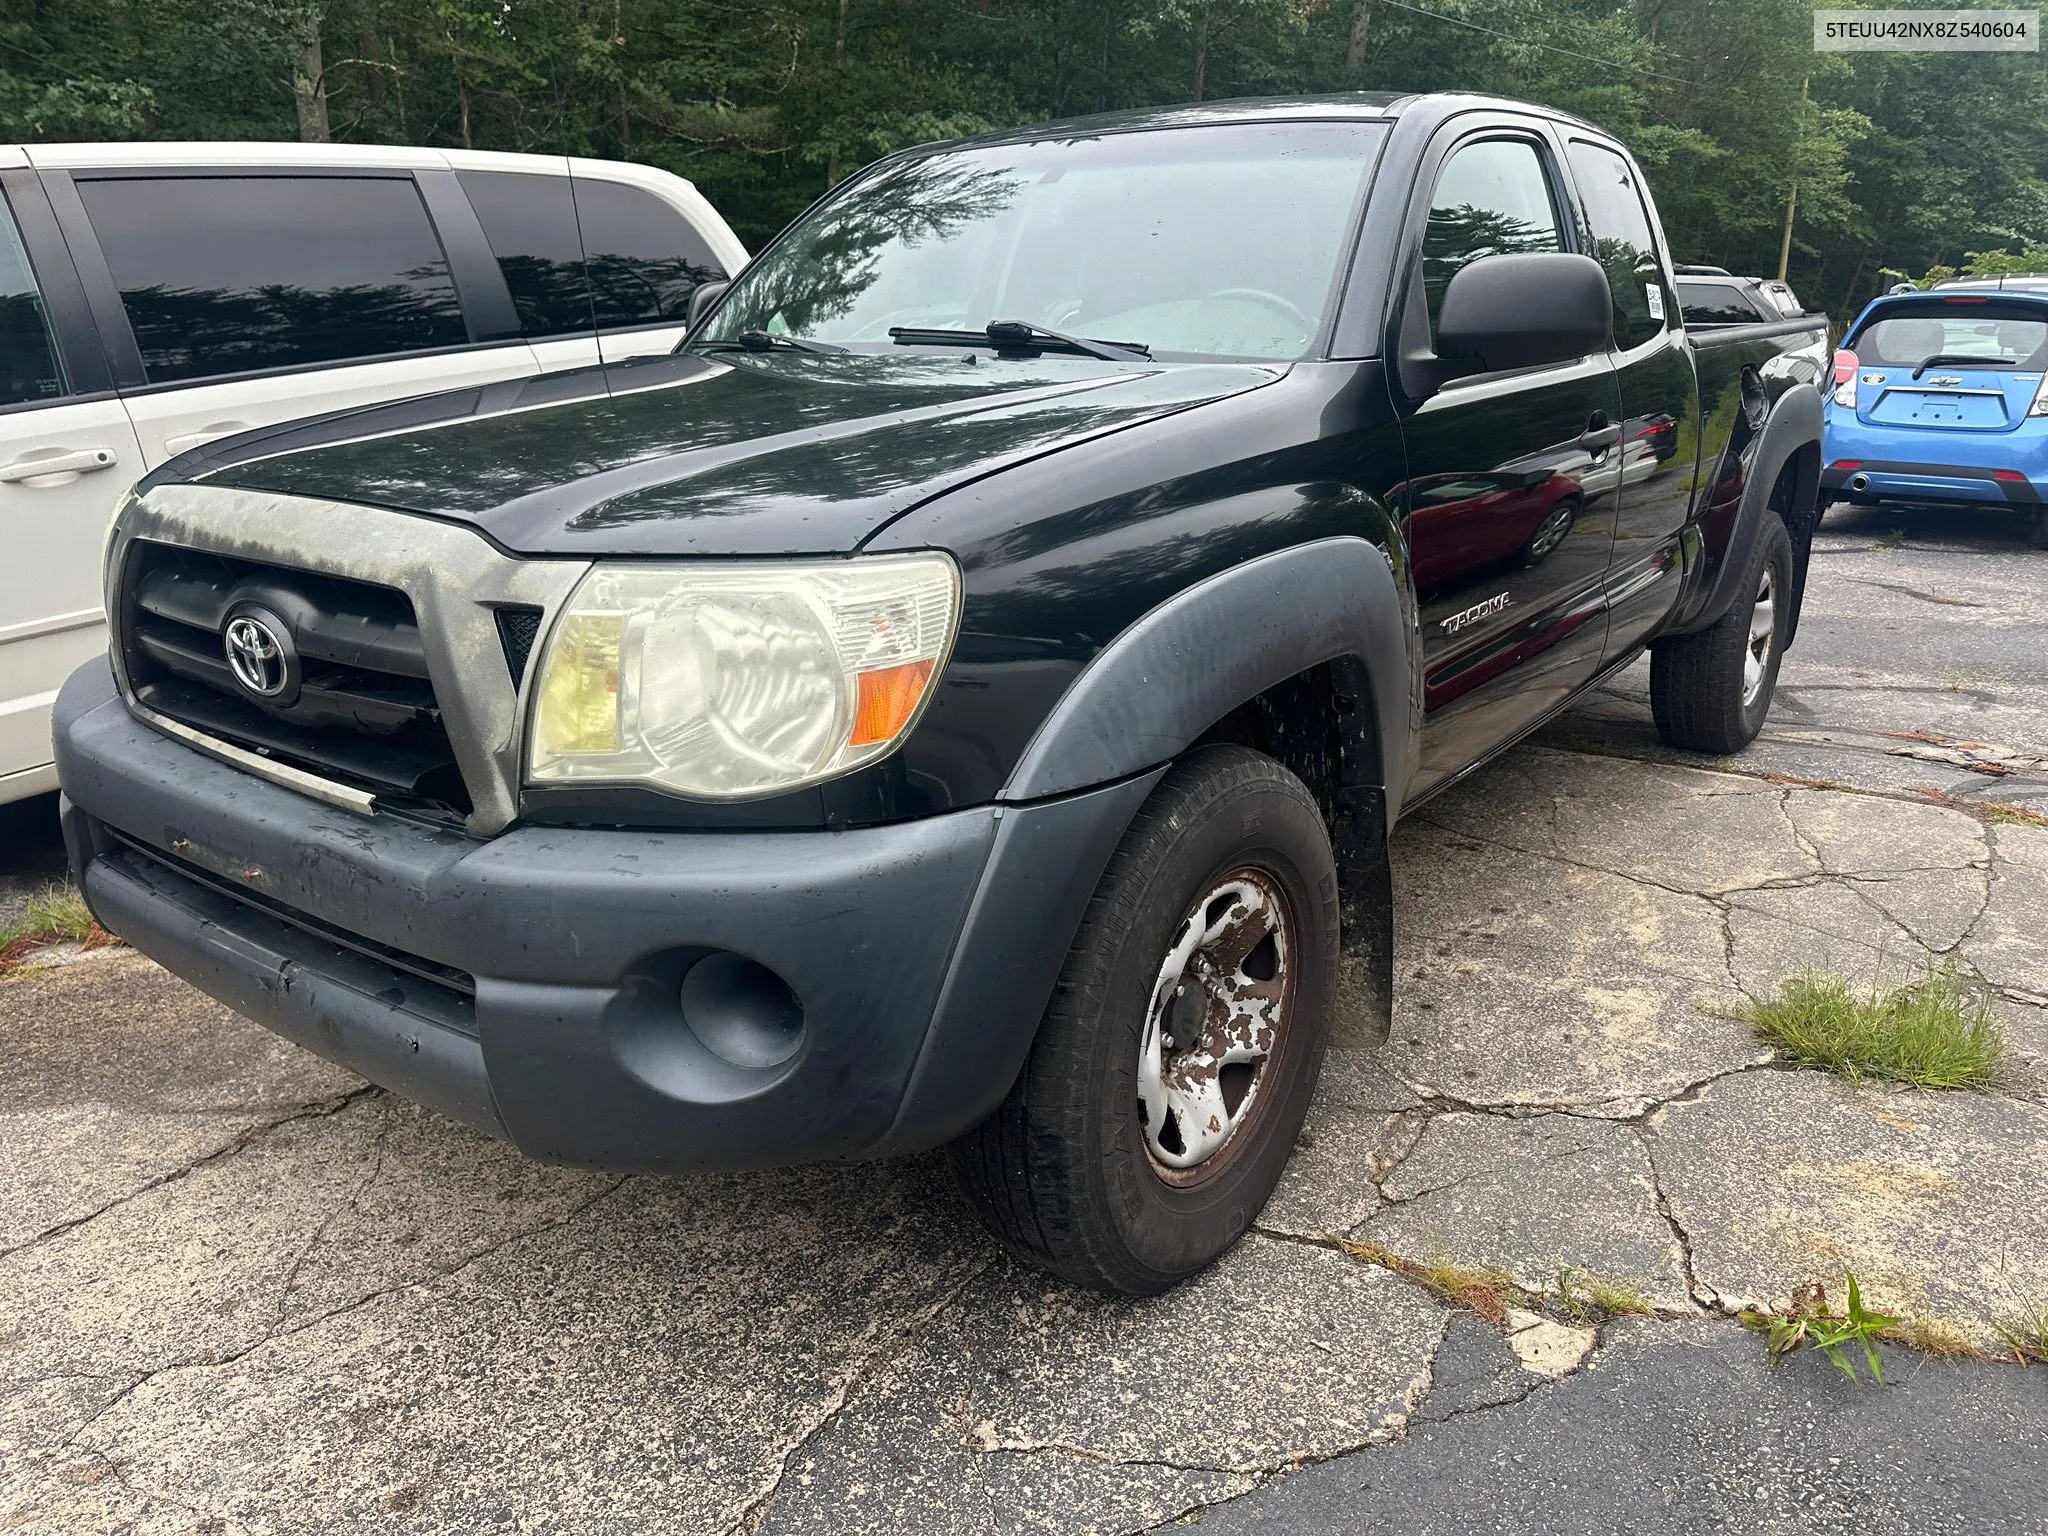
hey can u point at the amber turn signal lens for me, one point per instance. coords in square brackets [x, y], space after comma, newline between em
[886, 700]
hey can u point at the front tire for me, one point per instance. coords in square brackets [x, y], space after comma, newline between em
[1710, 691]
[1175, 1063]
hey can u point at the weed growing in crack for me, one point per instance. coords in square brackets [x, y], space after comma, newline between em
[2025, 1333]
[1587, 1299]
[1488, 1292]
[2000, 814]
[1932, 1033]
[1809, 1320]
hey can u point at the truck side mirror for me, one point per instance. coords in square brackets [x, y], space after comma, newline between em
[702, 297]
[1524, 310]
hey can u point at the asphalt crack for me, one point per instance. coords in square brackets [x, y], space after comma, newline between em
[1703, 1296]
[320, 1110]
[754, 1510]
[276, 1334]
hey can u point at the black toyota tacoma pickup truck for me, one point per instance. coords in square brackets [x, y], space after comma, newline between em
[962, 696]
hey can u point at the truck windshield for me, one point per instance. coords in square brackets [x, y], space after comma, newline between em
[1996, 334]
[1215, 241]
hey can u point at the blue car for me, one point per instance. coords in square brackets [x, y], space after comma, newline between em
[1939, 397]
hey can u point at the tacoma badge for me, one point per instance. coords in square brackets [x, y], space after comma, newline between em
[1492, 605]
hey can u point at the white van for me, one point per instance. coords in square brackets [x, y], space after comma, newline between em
[156, 296]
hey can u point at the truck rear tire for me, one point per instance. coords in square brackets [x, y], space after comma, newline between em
[1170, 1076]
[1710, 691]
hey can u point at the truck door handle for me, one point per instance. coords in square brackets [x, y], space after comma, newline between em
[1600, 439]
[74, 462]
[205, 434]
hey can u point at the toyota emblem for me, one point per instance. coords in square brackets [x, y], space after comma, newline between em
[260, 654]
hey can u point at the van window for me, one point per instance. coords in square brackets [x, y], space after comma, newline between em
[1491, 199]
[224, 274]
[28, 354]
[644, 258]
[530, 221]
[1623, 244]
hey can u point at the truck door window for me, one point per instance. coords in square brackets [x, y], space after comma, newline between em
[226, 274]
[28, 355]
[644, 258]
[1622, 243]
[1492, 198]
[530, 221]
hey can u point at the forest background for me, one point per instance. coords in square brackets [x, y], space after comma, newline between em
[1887, 165]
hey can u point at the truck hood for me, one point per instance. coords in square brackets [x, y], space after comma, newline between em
[755, 454]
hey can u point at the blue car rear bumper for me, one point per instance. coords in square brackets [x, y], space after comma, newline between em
[1861, 462]
[1887, 480]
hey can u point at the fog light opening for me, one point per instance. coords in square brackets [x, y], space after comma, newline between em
[741, 1011]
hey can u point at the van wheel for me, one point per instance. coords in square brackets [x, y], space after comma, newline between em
[1174, 1066]
[1710, 691]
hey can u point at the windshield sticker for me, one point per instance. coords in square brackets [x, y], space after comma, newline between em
[1656, 297]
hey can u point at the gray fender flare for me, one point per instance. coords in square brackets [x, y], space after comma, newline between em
[1197, 656]
[1794, 423]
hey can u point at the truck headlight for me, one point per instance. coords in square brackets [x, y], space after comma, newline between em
[729, 680]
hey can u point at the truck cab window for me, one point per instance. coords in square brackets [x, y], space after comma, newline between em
[1491, 199]
[225, 274]
[28, 357]
[1622, 243]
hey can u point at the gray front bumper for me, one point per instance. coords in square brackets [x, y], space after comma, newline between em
[528, 984]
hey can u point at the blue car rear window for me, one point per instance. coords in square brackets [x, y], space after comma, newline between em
[1992, 337]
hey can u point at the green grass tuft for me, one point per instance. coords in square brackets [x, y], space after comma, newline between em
[2026, 1334]
[56, 913]
[1587, 1298]
[1933, 1033]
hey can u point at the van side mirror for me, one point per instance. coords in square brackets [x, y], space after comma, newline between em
[1525, 309]
[702, 297]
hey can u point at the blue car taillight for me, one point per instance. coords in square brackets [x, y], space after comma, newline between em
[2040, 405]
[1845, 378]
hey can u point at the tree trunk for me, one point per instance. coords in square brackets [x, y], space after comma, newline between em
[462, 96]
[1201, 50]
[309, 85]
[1354, 45]
[373, 55]
[838, 58]
[1785, 245]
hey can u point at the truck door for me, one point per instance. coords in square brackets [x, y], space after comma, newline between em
[1659, 447]
[1509, 501]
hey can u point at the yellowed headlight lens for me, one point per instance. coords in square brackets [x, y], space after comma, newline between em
[732, 680]
[579, 695]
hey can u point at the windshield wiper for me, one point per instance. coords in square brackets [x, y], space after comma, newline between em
[764, 341]
[1022, 333]
[1962, 360]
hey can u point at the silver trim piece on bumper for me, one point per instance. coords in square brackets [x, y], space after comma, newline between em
[249, 762]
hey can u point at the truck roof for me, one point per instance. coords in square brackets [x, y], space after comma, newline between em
[1364, 106]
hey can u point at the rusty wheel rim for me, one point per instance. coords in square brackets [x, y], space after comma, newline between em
[1215, 1021]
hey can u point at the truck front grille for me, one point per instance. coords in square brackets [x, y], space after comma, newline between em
[356, 704]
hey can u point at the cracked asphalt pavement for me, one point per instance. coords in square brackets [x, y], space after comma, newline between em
[241, 1291]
